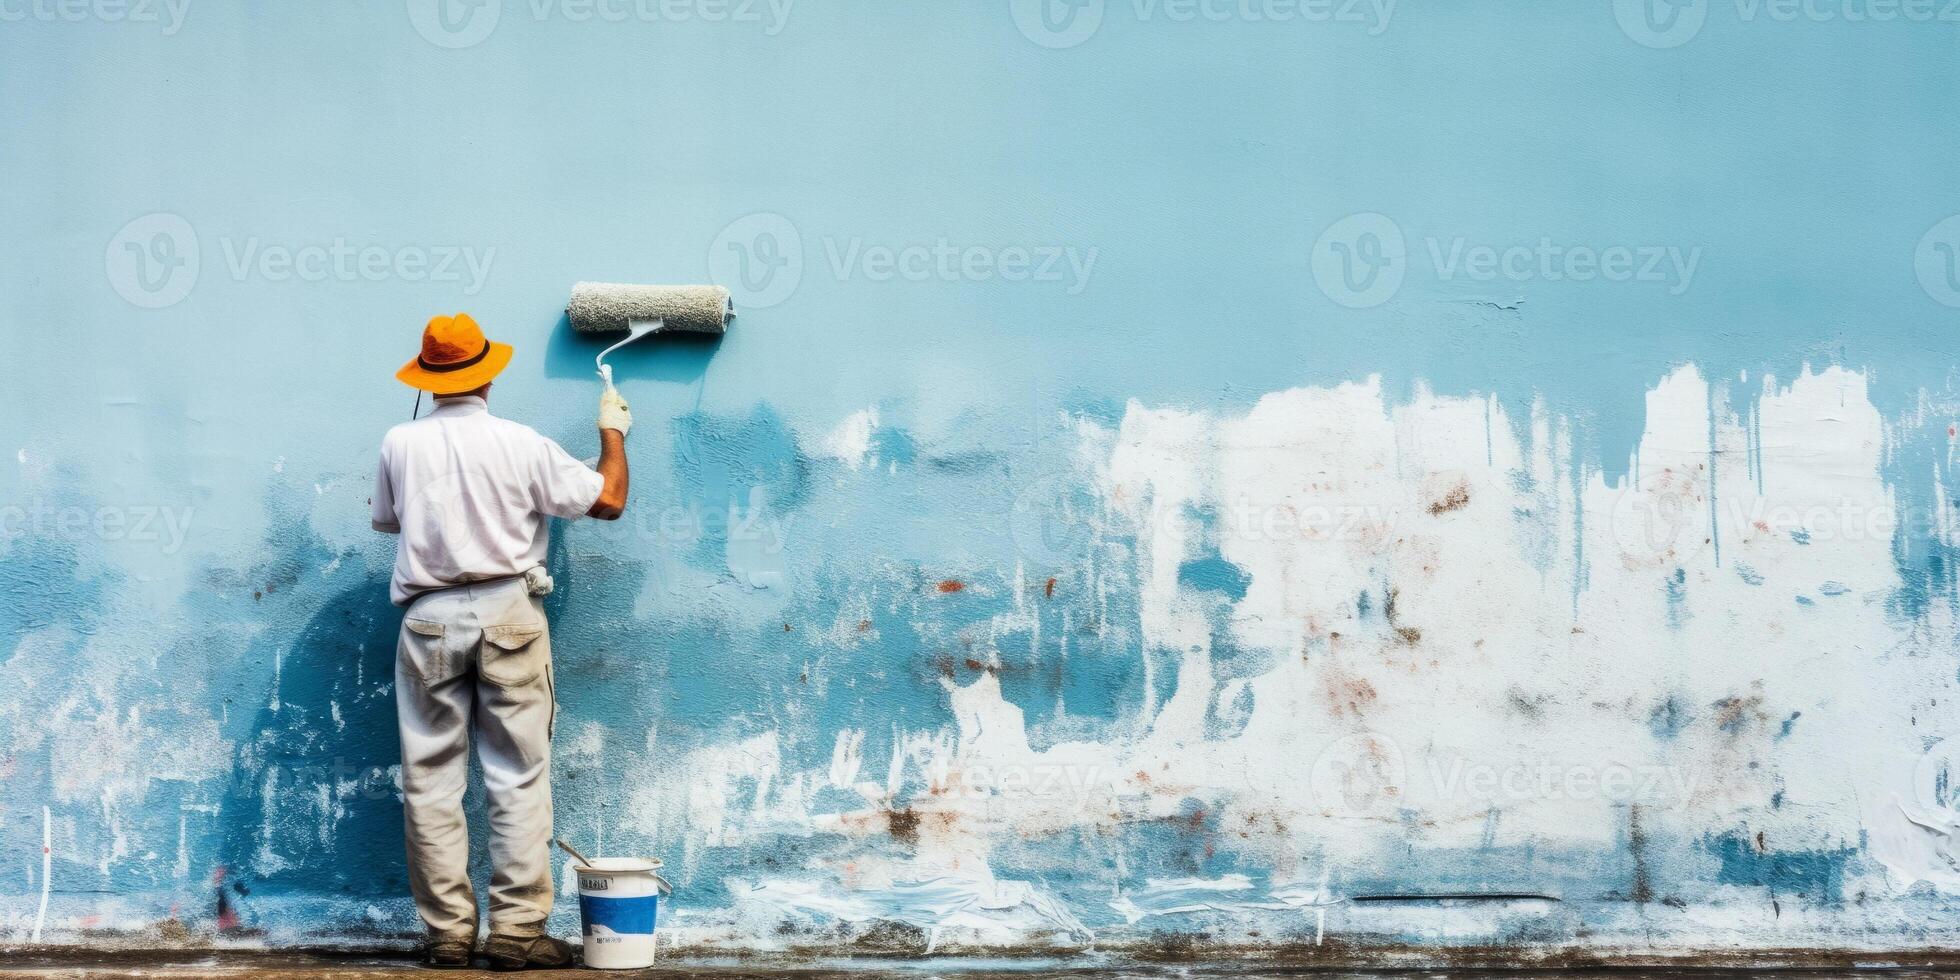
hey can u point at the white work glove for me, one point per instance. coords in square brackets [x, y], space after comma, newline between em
[613, 413]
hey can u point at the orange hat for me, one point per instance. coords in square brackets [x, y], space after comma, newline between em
[455, 357]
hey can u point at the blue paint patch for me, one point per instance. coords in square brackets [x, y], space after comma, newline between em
[1788, 724]
[1228, 717]
[1105, 411]
[1676, 590]
[1804, 600]
[1214, 575]
[1834, 588]
[729, 468]
[46, 584]
[891, 446]
[1748, 574]
[1817, 875]
[1668, 718]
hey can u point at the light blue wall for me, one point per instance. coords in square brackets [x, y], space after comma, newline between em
[169, 702]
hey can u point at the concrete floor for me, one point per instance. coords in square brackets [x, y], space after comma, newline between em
[303, 966]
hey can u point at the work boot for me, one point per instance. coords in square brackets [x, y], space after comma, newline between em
[448, 952]
[527, 953]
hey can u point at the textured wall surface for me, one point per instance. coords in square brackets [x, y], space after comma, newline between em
[1243, 470]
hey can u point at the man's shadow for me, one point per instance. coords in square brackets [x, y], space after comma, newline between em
[313, 809]
[678, 357]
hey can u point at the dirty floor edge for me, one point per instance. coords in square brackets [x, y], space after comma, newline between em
[1186, 960]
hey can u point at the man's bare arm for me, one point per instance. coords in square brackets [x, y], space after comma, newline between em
[612, 466]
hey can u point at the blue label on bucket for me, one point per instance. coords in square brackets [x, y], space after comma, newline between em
[618, 916]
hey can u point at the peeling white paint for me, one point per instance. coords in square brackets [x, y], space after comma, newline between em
[1542, 616]
[850, 441]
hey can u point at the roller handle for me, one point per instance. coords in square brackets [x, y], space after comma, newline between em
[635, 329]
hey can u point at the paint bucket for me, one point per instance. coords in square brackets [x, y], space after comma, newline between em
[618, 899]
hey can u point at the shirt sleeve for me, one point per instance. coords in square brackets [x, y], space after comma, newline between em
[565, 487]
[382, 505]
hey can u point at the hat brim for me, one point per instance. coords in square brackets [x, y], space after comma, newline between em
[414, 375]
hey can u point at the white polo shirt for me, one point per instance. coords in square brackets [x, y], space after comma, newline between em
[469, 494]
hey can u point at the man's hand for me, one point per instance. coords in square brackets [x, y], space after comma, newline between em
[613, 413]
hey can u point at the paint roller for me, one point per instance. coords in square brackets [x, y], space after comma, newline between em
[640, 311]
